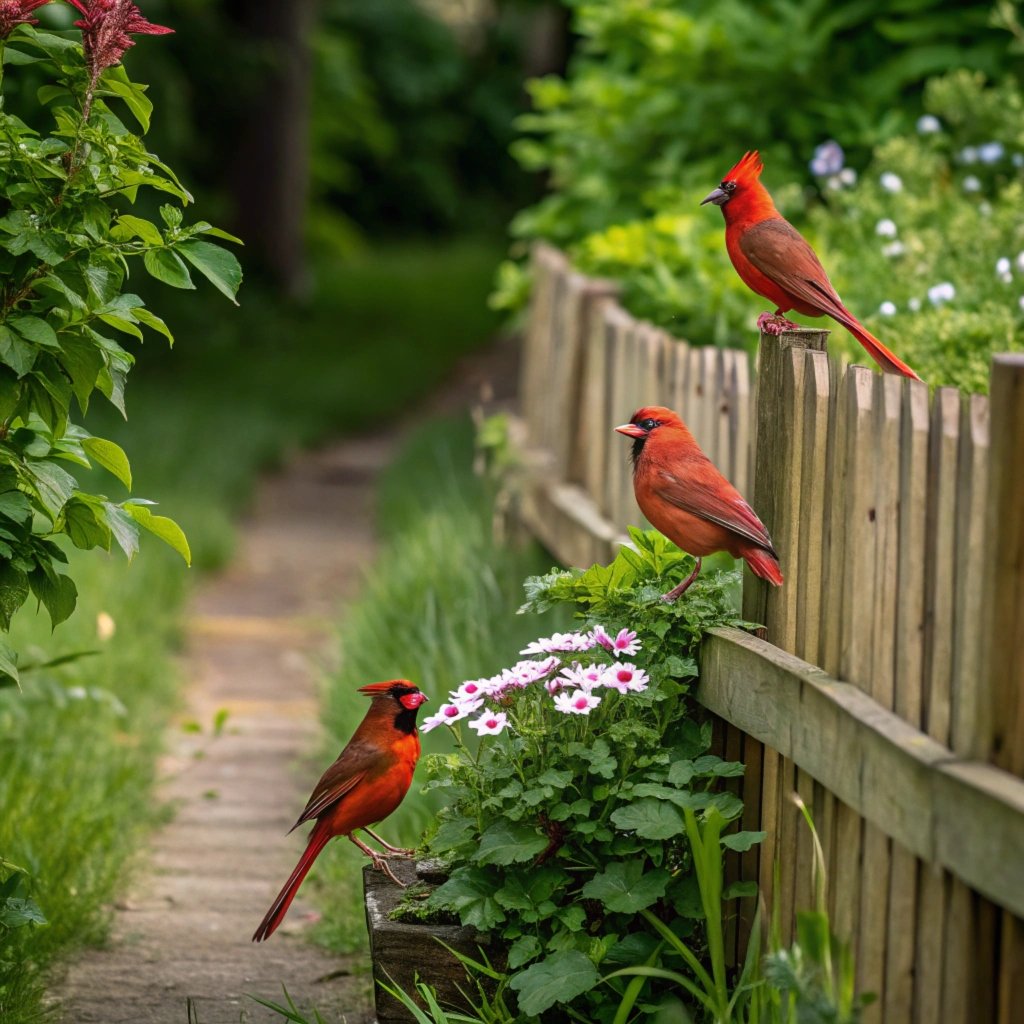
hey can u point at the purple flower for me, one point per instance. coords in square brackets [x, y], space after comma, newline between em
[828, 159]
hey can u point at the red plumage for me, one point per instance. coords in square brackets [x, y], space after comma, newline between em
[685, 497]
[775, 260]
[364, 785]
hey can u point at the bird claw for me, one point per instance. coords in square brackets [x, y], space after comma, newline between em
[380, 864]
[775, 324]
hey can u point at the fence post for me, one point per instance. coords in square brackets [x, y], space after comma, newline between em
[1003, 676]
[776, 447]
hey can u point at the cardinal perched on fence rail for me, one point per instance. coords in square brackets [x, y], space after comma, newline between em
[775, 260]
[684, 496]
[366, 783]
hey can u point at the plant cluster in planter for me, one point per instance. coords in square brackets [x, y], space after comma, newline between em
[565, 824]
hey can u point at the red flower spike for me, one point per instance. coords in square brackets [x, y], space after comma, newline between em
[16, 12]
[107, 27]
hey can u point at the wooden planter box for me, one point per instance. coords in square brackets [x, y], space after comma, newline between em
[401, 950]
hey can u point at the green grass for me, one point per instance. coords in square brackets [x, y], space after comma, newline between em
[438, 607]
[241, 389]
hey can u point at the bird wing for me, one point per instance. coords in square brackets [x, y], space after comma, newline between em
[699, 500]
[781, 253]
[359, 760]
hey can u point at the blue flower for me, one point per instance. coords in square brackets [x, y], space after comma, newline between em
[928, 124]
[828, 159]
[991, 152]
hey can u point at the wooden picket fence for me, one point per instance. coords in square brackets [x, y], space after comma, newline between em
[888, 690]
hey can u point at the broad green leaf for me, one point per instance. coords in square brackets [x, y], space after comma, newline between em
[151, 320]
[204, 228]
[168, 267]
[15, 505]
[160, 526]
[469, 892]
[16, 352]
[8, 666]
[523, 950]
[742, 841]
[624, 887]
[53, 484]
[13, 592]
[35, 329]
[111, 457]
[120, 324]
[57, 593]
[116, 80]
[559, 978]
[740, 890]
[16, 912]
[216, 264]
[650, 819]
[508, 843]
[82, 361]
[123, 528]
[86, 525]
[144, 229]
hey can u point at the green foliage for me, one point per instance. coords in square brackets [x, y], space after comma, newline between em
[953, 218]
[67, 244]
[564, 829]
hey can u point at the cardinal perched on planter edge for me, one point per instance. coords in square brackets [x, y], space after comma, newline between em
[684, 496]
[775, 260]
[366, 783]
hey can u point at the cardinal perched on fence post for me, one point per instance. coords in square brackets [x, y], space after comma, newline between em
[775, 260]
[366, 783]
[684, 496]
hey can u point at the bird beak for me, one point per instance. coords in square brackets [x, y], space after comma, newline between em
[631, 430]
[719, 197]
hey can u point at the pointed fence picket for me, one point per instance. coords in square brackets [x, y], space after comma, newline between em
[888, 690]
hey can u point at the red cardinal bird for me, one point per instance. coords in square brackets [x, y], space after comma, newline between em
[684, 496]
[366, 783]
[774, 260]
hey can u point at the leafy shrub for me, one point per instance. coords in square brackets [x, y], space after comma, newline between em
[67, 240]
[569, 822]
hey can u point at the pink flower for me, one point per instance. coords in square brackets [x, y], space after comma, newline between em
[559, 642]
[490, 723]
[587, 677]
[471, 689]
[626, 678]
[16, 12]
[467, 705]
[577, 703]
[446, 714]
[523, 673]
[625, 643]
[107, 29]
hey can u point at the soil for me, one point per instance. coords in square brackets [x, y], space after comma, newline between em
[259, 637]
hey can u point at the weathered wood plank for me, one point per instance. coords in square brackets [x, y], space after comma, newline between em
[966, 816]
[596, 417]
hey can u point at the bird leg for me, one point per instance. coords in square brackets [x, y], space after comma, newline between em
[378, 860]
[398, 851]
[681, 589]
[775, 323]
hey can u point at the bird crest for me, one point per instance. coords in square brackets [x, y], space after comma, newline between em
[748, 168]
[376, 689]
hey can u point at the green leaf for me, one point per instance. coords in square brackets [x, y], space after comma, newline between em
[120, 324]
[740, 890]
[624, 887]
[160, 526]
[13, 592]
[469, 892]
[17, 353]
[111, 457]
[650, 819]
[138, 227]
[151, 320]
[16, 912]
[168, 267]
[82, 361]
[216, 264]
[742, 841]
[116, 80]
[54, 485]
[558, 978]
[57, 593]
[15, 505]
[523, 950]
[35, 329]
[123, 528]
[8, 666]
[508, 843]
[86, 525]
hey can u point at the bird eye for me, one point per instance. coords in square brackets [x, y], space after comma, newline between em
[648, 424]
[729, 186]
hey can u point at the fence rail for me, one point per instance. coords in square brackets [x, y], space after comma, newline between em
[900, 529]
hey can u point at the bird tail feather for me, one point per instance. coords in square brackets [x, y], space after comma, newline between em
[764, 564]
[318, 839]
[886, 359]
